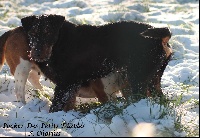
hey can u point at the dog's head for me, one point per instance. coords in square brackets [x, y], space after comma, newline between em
[164, 34]
[43, 32]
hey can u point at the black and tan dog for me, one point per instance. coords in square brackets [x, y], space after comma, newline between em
[71, 55]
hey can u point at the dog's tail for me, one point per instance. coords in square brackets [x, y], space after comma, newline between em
[3, 39]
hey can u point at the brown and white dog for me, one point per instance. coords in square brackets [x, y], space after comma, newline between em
[14, 50]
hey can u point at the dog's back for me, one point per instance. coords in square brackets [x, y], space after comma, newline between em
[12, 46]
[3, 39]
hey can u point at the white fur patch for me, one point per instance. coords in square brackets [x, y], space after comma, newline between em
[21, 74]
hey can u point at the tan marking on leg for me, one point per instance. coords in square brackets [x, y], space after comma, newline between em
[34, 79]
[98, 88]
[111, 85]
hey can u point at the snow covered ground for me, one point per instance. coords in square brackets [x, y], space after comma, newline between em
[180, 81]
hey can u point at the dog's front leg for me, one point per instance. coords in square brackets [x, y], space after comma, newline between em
[64, 99]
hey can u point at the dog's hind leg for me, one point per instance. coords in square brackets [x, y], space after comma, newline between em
[98, 87]
[21, 74]
[34, 77]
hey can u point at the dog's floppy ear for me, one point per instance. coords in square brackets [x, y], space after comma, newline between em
[28, 21]
[157, 32]
[57, 19]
